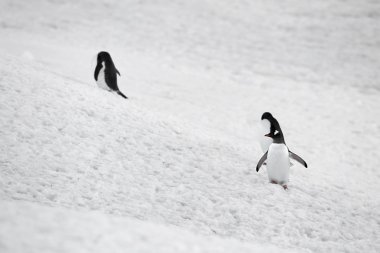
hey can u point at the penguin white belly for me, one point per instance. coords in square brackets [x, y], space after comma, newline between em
[102, 80]
[278, 163]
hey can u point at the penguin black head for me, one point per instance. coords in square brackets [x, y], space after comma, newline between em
[106, 58]
[272, 121]
[275, 129]
[267, 115]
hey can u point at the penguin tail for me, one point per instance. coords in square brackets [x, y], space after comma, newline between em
[121, 94]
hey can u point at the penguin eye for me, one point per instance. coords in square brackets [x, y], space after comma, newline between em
[275, 132]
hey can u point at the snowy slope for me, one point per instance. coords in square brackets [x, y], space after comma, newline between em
[183, 149]
[36, 228]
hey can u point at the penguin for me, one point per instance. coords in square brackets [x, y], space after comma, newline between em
[106, 73]
[267, 123]
[277, 158]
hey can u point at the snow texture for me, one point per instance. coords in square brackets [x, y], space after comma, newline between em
[172, 169]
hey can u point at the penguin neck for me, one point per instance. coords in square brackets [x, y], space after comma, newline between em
[279, 139]
[107, 64]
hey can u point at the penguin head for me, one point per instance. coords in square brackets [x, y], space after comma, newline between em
[275, 129]
[267, 116]
[104, 57]
[277, 136]
[272, 121]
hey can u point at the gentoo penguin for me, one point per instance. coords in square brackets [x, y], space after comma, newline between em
[277, 158]
[105, 73]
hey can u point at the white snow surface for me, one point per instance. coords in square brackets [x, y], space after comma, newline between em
[172, 169]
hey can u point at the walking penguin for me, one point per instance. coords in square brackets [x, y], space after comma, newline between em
[277, 157]
[106, 73]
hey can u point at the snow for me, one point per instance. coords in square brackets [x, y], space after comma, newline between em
[173, 168]
[36, 228]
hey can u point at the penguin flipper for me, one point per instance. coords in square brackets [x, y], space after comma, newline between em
[261, 161]
[96, 73]
[121, 94]
[297, 158]
[111, 80]
[117, 71]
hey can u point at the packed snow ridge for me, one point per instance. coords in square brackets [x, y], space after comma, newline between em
[172, 169]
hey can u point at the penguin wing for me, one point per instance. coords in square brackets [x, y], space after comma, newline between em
[262, 160]
[111, 80]
[117, 71]
[97, 69]
[297, 158]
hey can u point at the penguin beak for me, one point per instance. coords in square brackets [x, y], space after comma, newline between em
[267, 135]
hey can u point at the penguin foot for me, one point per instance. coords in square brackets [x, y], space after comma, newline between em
[285, 187]
[273, 182]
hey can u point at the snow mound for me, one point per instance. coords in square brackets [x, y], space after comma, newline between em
[36, 228]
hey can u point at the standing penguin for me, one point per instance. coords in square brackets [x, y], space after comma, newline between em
[106, 73]
[277, 158]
